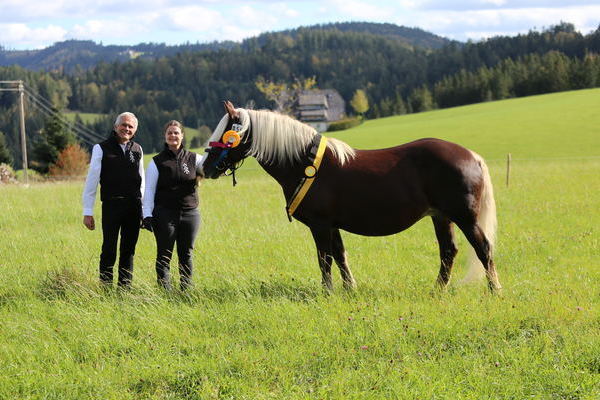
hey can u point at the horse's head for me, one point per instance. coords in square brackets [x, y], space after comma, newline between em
[228, 145]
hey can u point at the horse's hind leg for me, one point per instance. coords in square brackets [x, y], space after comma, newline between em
[444, 233]
[322, 237]
[339, 255]
[480, 243]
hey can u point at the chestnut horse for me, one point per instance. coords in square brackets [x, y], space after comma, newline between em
[366, 192]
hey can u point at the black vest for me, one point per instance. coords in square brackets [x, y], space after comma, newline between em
[120, 173]
[176, 186]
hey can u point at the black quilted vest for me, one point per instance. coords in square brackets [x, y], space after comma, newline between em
[120, 174]
[176, 186]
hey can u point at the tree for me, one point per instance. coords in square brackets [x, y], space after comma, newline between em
[359, 102]
[282, 95]
[421, 100]
[5, 156]
[54, 138]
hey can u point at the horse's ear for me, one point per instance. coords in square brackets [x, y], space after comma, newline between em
[233, 114]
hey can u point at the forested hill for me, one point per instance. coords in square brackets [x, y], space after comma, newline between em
[411, 37]
[396, 77]
[72, 54]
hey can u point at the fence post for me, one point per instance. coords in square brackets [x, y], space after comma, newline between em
[508, 158]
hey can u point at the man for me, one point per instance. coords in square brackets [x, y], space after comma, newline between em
[117, 165]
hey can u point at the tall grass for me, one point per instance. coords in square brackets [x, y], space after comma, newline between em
[258, 326]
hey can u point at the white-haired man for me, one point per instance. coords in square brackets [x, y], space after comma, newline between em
[117, 165]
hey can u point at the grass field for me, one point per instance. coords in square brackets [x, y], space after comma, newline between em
[88, 118]
[257, 325]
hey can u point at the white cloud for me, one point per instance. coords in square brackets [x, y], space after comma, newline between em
[282, 10]
[452, 5]
[107, 30]
[41, 22]
[361, 10]
[237, 34]
[32, 38]
[36, 10]
[478, 24]
[190, 18]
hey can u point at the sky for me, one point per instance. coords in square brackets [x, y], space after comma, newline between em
[35, 24]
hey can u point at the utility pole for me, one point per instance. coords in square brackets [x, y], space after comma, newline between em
[21, 89]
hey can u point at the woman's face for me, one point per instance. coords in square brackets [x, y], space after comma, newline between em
[173, 136]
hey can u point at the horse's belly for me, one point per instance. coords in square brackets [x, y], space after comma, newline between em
[381, 219]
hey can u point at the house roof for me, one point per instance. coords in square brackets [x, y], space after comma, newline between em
[327, 101]
[312, 99]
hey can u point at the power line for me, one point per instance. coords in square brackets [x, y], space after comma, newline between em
[71, 123]
[78, 128]
[88, 136]
[49, 114]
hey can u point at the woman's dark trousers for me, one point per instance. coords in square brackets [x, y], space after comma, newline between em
[172, 226]
[119, 215]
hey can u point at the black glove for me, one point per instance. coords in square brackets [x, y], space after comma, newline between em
[147, 224]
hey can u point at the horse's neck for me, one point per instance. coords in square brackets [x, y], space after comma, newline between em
[287, 176]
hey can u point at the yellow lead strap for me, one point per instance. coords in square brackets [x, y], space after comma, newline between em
[308, 180]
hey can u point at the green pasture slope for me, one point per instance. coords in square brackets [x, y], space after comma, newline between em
[257, 325]
[91, 118]
[88, 118]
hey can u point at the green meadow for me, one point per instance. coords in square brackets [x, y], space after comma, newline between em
[257, 325]
[90, 118]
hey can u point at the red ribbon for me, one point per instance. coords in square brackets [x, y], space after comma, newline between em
[219, 144]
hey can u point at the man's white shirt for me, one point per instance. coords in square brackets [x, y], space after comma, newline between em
[93, 178]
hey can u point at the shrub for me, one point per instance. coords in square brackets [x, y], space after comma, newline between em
[343, 124]
[72, 162]
[7, 174]
[32, 176]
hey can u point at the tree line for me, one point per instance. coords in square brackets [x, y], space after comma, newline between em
[396, 77]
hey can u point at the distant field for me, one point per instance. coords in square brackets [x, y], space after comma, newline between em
[257, 325]
[87, 118]
[91, 118]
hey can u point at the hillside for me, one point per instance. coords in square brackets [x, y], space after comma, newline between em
[533, 127]
[65, 56]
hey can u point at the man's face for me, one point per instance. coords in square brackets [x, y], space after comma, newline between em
[126, 129]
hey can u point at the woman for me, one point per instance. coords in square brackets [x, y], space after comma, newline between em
[170, 205]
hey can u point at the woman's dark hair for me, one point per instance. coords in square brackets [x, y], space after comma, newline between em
[173, 122]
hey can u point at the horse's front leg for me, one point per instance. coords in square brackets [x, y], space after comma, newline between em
[339, 254]
[322, 237]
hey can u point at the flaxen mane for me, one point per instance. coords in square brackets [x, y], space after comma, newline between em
[278, 138]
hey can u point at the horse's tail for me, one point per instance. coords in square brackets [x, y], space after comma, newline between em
[486, 219]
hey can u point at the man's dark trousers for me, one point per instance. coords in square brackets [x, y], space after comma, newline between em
[119, 214]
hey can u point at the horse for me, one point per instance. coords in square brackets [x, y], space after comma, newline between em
[365, 192]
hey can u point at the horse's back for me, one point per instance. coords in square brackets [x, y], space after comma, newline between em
[385, 191]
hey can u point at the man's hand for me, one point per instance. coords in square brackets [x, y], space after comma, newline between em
[147, 224]
[89, 223]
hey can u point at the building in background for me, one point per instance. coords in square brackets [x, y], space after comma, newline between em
[318, 108]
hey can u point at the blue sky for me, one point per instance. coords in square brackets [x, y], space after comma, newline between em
[32, 24]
